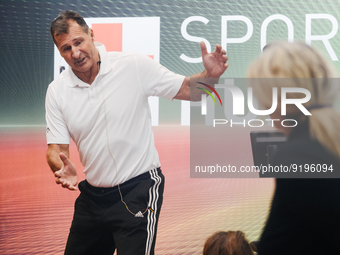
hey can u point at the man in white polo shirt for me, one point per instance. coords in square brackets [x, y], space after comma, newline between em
[101, 102]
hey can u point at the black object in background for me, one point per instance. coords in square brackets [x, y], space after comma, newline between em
[265, 145]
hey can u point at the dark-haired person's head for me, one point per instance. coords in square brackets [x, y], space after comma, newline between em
[227, 243]
[60, 25]
[75, 42]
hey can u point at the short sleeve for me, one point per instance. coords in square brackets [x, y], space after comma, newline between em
[56, 129]
[157, 80]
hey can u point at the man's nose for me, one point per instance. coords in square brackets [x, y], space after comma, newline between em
[75, 52]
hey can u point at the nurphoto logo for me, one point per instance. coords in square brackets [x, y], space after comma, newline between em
[234, 99]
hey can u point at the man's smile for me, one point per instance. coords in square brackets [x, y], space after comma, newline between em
[82, 60]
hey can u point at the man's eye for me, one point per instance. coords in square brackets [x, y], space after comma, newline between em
[66, 49]
[77, 43]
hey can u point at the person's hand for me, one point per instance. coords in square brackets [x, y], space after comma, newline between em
[215, 63]
[67, 176]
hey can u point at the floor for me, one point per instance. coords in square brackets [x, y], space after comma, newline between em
[35, 213]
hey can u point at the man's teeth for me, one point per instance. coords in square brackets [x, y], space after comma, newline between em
[80, 60]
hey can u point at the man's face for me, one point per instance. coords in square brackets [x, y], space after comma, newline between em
[77, 48]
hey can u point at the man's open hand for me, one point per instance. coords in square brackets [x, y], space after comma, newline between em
[67, 176]
[215, 63]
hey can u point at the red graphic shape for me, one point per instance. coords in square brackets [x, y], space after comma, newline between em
[109, 34]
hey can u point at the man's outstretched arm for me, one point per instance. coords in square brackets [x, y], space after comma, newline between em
[64, 170]
[215, 64]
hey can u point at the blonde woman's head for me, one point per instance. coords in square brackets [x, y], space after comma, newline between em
[296, 63]
[299, 65]
[290, 60]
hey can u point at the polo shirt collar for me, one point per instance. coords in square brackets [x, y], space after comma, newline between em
[104, 67]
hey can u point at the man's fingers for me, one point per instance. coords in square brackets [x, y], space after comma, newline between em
[69, 186]
[59, 181]
[218, 48]
[58, 173]
[68, 165]
[63, 183]
[64, 158]
[66, 184]
[203, 48]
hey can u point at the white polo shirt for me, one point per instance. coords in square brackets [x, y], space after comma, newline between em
[75, 109]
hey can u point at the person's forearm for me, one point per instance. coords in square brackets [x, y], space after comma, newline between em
[195, 94]
[53, 158]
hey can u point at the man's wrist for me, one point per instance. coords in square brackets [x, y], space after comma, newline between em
[206, 74]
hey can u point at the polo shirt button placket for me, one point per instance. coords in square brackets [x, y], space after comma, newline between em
[92, 96]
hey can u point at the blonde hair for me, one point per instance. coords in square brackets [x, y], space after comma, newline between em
[296, 62]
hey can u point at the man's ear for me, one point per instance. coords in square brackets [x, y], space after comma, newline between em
[91, 34]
